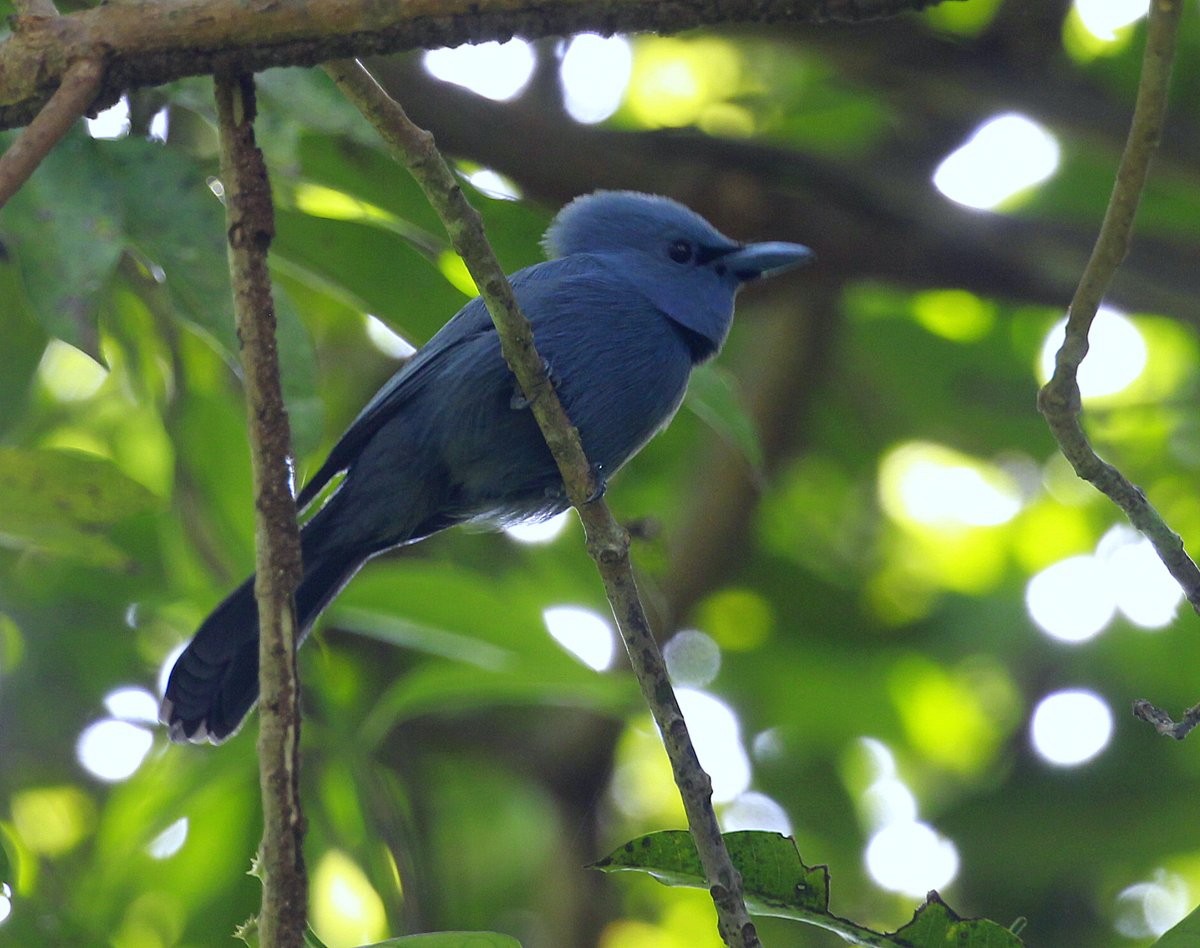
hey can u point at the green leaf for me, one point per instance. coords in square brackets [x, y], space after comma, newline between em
[451, 940]
[935, 923]
[713, 395]
[64, 227]
[174, 221]
[24, 344]
[370, 175]
[64, 502]
[394, 630]
[441, 688]
[298, 374]
[369, 268]
[777, 882]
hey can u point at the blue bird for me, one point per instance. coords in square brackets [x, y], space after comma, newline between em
[639, 290]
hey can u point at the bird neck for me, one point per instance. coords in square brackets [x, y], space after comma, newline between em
[700, 347]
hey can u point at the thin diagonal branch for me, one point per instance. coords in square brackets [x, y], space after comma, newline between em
[1059, 400]
[607, 542]
[250, 218]
[78, 89]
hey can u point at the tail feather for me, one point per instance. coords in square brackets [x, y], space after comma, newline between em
[214, 683]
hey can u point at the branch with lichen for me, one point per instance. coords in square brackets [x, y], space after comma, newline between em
[1059, 400]
[607, 541]
[251, 226]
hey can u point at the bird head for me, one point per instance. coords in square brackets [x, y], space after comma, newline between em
[684, 265]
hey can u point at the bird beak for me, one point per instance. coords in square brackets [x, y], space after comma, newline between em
[756, 260]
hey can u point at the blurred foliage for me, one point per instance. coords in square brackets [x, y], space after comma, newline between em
[850, 506]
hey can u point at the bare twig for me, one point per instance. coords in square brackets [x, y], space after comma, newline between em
[71, 100]
[1059, 400]
[1162, 722]
[250, 218]
[607, 542]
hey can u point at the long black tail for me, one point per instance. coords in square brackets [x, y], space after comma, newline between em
[214, 684]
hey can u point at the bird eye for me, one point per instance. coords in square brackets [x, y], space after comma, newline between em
[681, 251]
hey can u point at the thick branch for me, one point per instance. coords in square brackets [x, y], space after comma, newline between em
[35, 7]
[607, 542]
[149, 42]
[79, 86]
[250, 217]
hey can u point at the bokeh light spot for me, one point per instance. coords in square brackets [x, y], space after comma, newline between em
[1071, 727]
[739, 620]
[456, 273]
[1145, 592]
[930, 484]
[716, 733]
[954, 314]
[169, 841]
[540, 531]
[1116, 356]
[755, 811]
[112, 750]
[1003, 157]
[346, 909]
[595, 73]
[911, 858]
[111, 123]
[160, 125]
[693, 658]
[387, 340]
[317, 200]
[52, 820]
[498, 71]
[675, 80]
[954, 717]
[1149, 909]
[1071, 600]
[585, 634]
[494, 184]
[888, 800]
[69, 374]
[132, 704]
[642, 787]
[1103, 18]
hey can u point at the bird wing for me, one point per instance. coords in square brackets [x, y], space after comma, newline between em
[466, 326]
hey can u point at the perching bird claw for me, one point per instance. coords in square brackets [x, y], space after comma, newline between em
[519, 399]
[600, 483]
